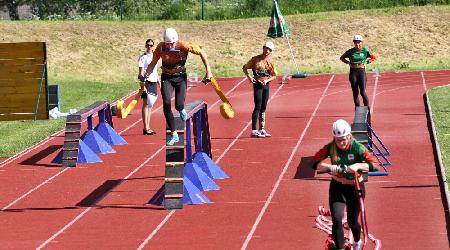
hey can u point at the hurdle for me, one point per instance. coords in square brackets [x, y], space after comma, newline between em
[79, 148]
[187, 174]
[363, 132]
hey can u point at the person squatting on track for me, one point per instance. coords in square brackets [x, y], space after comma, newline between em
[358, 56]
[173, 54]
[263, 72]
[149, 86]
[343, 150]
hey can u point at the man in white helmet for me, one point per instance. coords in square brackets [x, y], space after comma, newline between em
[347, 156]
[358, 56]
[263, 73]
[173, 54]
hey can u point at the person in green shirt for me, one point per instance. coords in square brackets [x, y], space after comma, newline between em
[357, 57]
[344, 153]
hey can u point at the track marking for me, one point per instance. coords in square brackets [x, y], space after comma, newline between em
[144, 243]
[33, 189]
[51, 137]
[423, 82]
[90, 208]
[280, 177]
[64, 228]
[154, 232]
[125, 178]
[374, 95]
[62, 171]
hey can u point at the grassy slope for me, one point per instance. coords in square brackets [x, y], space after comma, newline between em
[97, 60]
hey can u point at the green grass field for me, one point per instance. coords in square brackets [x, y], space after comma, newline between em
[440, 105]
[96, 60]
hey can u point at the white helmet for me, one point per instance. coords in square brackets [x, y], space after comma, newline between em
[269, 45]
[170, 35]
[341, 128]
[357, 38]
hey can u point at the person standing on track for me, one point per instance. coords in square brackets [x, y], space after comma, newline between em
[173, 54]
[344, 153]
[263, 72]
[358, 56]
[149, 86]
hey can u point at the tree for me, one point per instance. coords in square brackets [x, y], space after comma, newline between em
[12, 6]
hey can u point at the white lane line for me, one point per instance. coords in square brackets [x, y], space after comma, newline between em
[128, 176]
[48, 139]
[64, 228]
[280, 177]
[423, 82]
[51, 137]
[46, 181]
[161, 224]
[374, 95]
[62, 171]
[32, 190]
[245, 128]
[90, 208]
[154, 232]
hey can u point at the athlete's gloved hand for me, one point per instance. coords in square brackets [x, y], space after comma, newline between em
[334, 169]
[141, 78]
[206, 81]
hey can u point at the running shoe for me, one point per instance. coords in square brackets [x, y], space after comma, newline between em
[264, 132]
[357, 245]
[172, 139]
[183, 115]
[255, 133]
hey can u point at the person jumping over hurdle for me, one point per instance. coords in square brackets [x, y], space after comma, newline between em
[173, 54]
[263, 73]
[347, 157]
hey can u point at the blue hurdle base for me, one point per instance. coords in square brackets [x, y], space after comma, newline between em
[109, 134]
[208, 166]
[192, 195]
[199, 178]
[85, 155]
[96, 142]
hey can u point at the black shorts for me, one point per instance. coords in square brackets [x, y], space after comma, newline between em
[151, 89]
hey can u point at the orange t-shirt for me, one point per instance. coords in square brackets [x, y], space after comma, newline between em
[263, 68]
[174, 61]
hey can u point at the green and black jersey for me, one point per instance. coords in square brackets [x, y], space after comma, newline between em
[359, 56]
[356, 153]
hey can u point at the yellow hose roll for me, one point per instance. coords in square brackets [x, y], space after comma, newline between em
[226, 110]
[122, 111]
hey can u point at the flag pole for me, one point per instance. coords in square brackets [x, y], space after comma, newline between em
[285, 33]
[292, 53]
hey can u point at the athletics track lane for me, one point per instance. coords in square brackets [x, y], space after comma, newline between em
[192, 220]
[55, 203]
[404, 210]
[131, 225]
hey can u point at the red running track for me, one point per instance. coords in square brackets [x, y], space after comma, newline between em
[264, 205]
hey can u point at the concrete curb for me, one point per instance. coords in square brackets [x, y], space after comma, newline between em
[438, 152]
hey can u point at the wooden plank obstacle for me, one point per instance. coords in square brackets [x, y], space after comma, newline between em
[23, 81]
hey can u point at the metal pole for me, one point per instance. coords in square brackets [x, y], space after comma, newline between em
[203, 9]
[121, 10]
[292, 53]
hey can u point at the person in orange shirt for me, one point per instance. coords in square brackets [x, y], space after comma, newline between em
[263, 72]
[173, 54]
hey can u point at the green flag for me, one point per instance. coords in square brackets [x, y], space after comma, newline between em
[278, 26]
